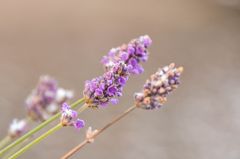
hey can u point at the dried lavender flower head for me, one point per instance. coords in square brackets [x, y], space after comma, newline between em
[17, 128]
[131, 54]
[69, 117]
[106, 88]
[46, 99]
[156, 89]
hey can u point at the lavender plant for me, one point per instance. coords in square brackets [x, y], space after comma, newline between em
[107, 88]
[154, 95]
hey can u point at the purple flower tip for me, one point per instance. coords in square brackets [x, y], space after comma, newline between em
[65, 107]
[69, 116]
[78, 124]
[131, 54]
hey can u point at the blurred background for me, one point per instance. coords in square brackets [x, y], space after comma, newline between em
[66, 39]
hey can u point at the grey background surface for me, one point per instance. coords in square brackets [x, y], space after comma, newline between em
[66, 39]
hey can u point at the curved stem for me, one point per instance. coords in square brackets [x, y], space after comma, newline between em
[36, 129]
[43, 136]
[86, 141]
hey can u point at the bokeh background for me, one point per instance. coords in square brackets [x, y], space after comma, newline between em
[67, 38]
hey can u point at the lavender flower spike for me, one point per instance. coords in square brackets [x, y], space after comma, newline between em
[131, 54]
[69, 117]
[104, 89]
[17, 128]
[156, 89]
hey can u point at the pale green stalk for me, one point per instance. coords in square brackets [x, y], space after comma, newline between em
[39, 127]
[43, 136]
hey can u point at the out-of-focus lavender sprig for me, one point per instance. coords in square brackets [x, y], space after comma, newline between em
[156, 89]
[44, 102]
[46, 99]
[69, 117]
[131, 54]
[104, 89]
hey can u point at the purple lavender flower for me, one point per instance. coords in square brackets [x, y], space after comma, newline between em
[131, 54]
[79, 124]
[17, 128]
[156, 89]
[46, 99]
[106, 88]
[69, 117]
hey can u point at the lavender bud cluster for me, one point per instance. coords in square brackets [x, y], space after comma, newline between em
[156, 89]
[104, 89]
[69, 117]
[131, 54]
[120, 63]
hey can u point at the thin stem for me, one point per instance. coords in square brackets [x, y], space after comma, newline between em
[36, 129]
[86, 141]
[37, 140]
[43, 136]
[15, 149]
[6, 140]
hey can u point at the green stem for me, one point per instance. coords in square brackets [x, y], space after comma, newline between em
[15, 149]
[43, 136]
[37, 140]
[5, 141]
[39, 127]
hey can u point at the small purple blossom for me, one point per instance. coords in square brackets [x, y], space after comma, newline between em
[156, 89]
[131, 54]
[17, 128]
[69, 117]
[79, 124]
[106, 88]
[46, 99]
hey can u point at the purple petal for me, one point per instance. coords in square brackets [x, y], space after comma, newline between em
[98, 92]
[65, 107]
[140, 50]
[133, 62]
[147, 41]
[78, 124]
[130, 49]
[122, 80]
[114, 101]
[112, 52]
[104, 60]
[74, 114]
[112, 90]
[124, 56]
